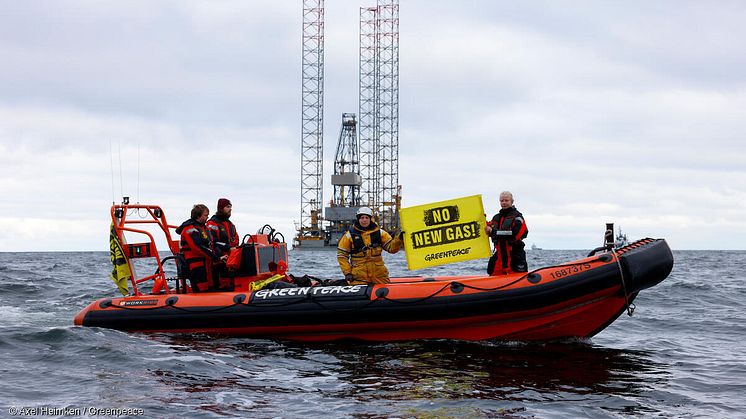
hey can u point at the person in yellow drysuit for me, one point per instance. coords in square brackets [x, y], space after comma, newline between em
[359, 250]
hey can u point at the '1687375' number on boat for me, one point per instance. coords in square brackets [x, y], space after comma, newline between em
[569, 270]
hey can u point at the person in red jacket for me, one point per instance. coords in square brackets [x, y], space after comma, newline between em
[222, 228]
[507, 230]
[198, 248]
[225, 236]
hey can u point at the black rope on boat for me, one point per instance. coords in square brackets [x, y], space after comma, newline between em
[451, 284]
[524, 276]
[447, 285]
[497, 288]
[307, 298]
[419, 300]
[630, 307]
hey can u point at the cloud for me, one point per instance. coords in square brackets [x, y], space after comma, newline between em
[66, 167]
[589, 112]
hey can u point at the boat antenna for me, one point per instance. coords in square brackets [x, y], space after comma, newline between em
[138, 173]
[121, 182]
[111, 165]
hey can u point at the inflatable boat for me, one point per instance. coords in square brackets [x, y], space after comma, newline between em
[575, 299]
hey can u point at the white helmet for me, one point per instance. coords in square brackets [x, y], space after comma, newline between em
[364, 211]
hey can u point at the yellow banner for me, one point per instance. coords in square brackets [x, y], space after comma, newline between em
[120, 274]
[445, 232]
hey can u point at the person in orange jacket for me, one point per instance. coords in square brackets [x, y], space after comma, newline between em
[359, 250]
[198, 249]
[507, 230]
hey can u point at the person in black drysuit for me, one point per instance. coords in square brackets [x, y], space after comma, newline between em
[507, 231]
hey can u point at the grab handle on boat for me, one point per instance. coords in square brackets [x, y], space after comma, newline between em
[251, 239]
[596, 250]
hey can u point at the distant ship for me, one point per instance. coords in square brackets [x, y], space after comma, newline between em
[621, 239]
[533, 247]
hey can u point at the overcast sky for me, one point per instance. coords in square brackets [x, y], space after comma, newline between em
[629, 112]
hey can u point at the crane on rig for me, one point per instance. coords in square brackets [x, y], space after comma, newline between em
[346, 181]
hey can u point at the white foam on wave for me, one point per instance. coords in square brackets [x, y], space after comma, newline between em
[19, 316]
[13, 316]
[234, 398]
[183, 358]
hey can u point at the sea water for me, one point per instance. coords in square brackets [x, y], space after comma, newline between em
[682, 354]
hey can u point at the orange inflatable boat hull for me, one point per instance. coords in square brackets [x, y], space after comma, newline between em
[575, 299]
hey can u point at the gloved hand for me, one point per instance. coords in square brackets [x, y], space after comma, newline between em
[348, 278]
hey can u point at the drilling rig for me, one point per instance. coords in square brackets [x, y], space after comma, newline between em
[366, 165]
[310, 234]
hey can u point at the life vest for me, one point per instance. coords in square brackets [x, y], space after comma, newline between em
[223, 231]
[509, 255]
[196, 244]
[358, 244]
